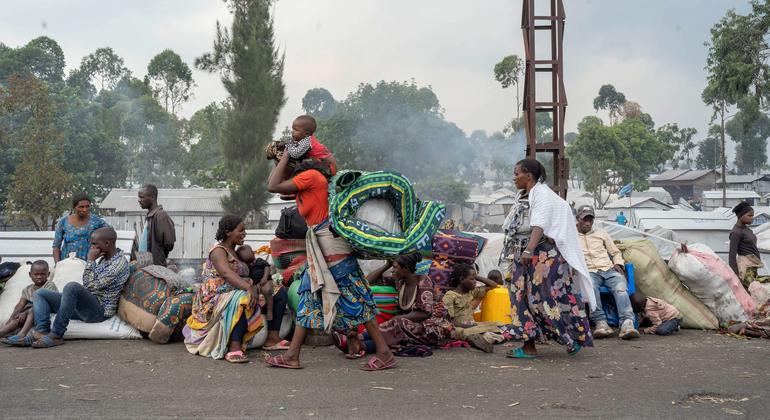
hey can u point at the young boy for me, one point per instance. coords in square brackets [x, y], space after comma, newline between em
[259, 273]
[664, 317]
[22, 318]
[496, 276]
[302, 145]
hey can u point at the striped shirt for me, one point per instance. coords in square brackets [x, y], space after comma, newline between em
[105, 279]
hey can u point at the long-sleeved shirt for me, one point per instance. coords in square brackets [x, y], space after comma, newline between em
[658, 311]
[742, 242]
[105, 279]
[597, 248]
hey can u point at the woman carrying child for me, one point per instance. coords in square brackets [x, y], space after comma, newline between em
[334, 294]
[542, 250]
[225, 311]
[422, 318]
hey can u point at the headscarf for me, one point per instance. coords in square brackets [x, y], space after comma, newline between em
[409, 261]
[742, 208]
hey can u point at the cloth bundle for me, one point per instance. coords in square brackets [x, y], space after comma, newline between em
[419, 220]
[289, 256]
[449, 248]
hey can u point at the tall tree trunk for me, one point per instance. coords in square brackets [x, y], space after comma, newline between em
[724, 158]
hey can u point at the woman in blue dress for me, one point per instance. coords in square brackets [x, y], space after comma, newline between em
[73, 232]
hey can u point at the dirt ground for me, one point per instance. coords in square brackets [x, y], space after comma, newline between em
[693, 374]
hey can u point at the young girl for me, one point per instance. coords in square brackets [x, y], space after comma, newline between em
[458, 304]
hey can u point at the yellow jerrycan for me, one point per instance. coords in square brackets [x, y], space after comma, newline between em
[496, 306]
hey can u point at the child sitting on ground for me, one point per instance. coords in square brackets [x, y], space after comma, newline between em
[259, 273]
[664, 317]
[22, 318]
[458, 303]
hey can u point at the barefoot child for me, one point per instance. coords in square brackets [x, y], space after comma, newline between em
[664, 317]
[22, 318]
[259, 273]
[458, 303]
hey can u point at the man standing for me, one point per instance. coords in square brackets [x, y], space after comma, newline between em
[621, 219]
[597, 248]
[158, 234]
[93, 301]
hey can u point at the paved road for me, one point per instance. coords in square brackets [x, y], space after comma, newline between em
[690, 375]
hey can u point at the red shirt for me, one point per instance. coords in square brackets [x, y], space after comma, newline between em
[312, 197]
[318, 150]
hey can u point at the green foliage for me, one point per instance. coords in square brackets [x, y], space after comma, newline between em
[611, 100]
[398, 127]
[709, 149]
[444, 189]
[103, 67]
[203, 139]
[509, 71]
[170, 79]
[750, 128]
[251, 70]
[319, 103]
[681, 142]
[608, 157]
[39, 183]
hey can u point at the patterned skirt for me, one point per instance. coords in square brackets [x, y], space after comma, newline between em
[543, 302]
[355, 305]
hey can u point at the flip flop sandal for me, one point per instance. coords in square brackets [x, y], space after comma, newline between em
[46, 342]
[282, 345]
[236, 357]
[355, 356]
[17, 341]
[574, 350]
[375, 363]
[340, 341]
[277, 361]
[518, 353]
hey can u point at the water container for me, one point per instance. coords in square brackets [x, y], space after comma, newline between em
[496, 306]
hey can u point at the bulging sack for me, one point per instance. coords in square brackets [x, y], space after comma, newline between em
[654, 278]
[713, 282]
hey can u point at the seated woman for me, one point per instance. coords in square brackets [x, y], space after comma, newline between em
[422, 319]
[226, 307]
[458, 303]
[73, 232]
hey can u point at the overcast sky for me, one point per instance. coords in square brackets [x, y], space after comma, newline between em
[651, 50]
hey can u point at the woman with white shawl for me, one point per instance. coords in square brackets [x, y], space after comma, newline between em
[547, 276]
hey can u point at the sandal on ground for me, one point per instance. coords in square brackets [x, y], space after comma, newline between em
[518, 353]
[574, 350]
[282, 345]
[236, 357]
[479, 342]
[375, 363]
[47, 341]
[355, 356]
[17, 341]
[279, 362]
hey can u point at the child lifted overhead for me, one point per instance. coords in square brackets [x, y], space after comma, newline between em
[259, 273]
[302, 145]
[458, 303]
[22, 319]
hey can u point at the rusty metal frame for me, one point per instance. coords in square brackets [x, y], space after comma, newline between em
[531, 24]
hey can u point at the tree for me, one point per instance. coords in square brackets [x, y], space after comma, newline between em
[170, 80]
[680, 140]
[203, 165]
[105, 67]
[749, 128]
[508, 72]
[40, 184]
[709, 149]
[611, 100]
[42, 58]
[319, 103]
[251, 70]
[444, 189]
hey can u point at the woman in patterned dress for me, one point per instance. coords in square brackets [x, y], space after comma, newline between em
[225, 310]
[73, 232]
[545, 294]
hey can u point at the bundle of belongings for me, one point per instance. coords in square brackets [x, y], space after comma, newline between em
[67, 270]
[451, 247]
[157, 302]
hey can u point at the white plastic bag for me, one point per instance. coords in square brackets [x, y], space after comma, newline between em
[380, 215]
[12, 292]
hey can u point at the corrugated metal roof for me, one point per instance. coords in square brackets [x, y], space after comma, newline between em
[743, 179]
[685, 220]
[670, 174]
[22, 246]
[177, 200]
[682, 175]
[732, 194]
[693, 175]
[625, 203]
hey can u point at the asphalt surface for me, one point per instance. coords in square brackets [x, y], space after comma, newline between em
[692, 374]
